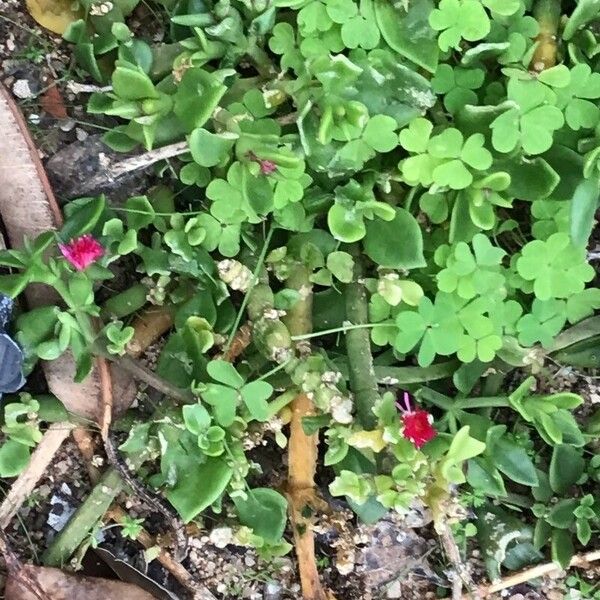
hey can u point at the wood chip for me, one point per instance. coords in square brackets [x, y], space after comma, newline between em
[57, 585]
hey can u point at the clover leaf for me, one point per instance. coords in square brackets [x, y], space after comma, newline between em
[505, 8]
[226, 395]
[443, 159]
[481, 341]
[283, 42]
[546, 319]
[314, 17]
[531, 123]
[361, 30]
[458, 85]
[435, 206]
[583, 304]
[518, 31]
[483, 195]
[575, 98]
[550, 216]
[435, 326]
[557, 268]
[379, 133]
[354, 203]
[472, 272]
[457, 20]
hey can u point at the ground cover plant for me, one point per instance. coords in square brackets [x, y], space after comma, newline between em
[371, 241]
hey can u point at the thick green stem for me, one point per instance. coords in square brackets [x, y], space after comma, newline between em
[87, 516]
[363, 381]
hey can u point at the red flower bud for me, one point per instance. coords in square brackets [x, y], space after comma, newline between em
[82, 251]
[418, 424]
[418, 428]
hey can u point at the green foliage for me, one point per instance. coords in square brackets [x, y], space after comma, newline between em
[415, 154]
[459, 19]
[556, 267]
[22, 431]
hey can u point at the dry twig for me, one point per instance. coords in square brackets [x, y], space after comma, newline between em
[25, 483]
[462, 575]
[579, 560]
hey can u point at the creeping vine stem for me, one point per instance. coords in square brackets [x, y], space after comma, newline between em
[363, 381]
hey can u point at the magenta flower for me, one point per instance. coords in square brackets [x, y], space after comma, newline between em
[267, 167]
[82, 251]
[418, 427]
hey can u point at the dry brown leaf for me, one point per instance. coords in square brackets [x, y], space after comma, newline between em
[28, 208]
[29, 583]
[55, 15]
[52, 103]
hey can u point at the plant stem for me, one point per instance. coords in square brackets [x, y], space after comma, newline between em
[483, 402]
[259, 264]
[87, 516]
[281, 401]
[153, 380]
[363, 381]
[302, 450]
[342, 329]
[408, 375]
[272, 371]
[547, 14]
[299, 318]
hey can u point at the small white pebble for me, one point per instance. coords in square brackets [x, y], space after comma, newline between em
[22, 90]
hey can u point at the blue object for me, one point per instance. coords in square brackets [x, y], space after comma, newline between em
[11, 356]
[6, 308]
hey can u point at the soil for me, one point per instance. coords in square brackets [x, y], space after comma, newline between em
[357, 562]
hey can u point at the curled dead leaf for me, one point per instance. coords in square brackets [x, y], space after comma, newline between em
[33, 583]
[55, 15]
[52, 103]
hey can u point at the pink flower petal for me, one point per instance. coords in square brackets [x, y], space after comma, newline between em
[418, 428]
[82, 251]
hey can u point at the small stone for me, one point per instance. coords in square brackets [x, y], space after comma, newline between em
[80, 134]
[67, 125]
[394, 590]
[21, 89]
[272, 591]
[221, 536]
[249, 561]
